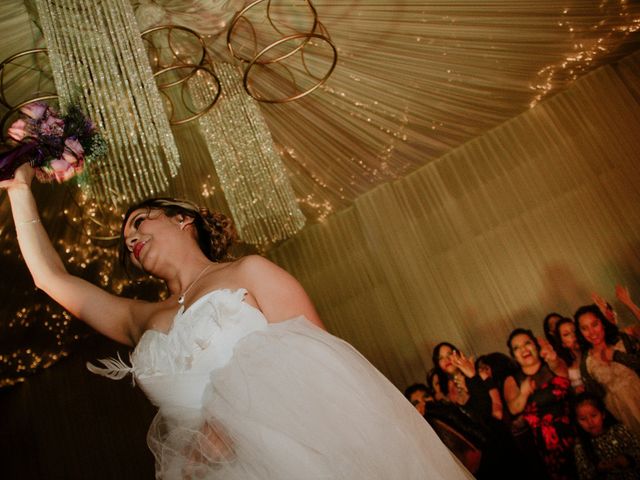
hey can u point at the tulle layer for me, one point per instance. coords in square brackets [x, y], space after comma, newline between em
[295, 402]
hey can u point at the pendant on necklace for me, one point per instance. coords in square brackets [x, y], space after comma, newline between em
[202, 272]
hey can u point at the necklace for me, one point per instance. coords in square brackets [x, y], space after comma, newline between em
[202, 272]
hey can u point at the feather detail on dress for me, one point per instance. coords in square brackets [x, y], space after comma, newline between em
[115, 368]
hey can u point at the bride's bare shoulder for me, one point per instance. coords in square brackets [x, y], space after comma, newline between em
[254, 265]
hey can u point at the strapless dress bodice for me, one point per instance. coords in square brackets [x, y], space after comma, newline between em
[173, 368]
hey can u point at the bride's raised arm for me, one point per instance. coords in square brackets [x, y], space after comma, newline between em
[110, 315]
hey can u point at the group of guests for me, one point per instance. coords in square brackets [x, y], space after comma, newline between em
[565, 406]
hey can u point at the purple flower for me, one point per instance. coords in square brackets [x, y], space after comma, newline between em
[52, 126]
[55, 154]
[62, 170]
[73, 151]
[18, 130]
[35, 110]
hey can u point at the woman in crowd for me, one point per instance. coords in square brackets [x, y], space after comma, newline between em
[610, 364]
[605, 449]
[434, 384]
[450, 424]
[457, 379]
[497, 367]
[463, 387]
[570, 352]
[494, 368]
[540, 393]
[549, 326]
[418, 394]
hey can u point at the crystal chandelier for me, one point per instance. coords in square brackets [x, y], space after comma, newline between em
[95, 47]
[252, 175]
[96, 54]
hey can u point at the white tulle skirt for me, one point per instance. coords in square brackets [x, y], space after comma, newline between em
[297, 403]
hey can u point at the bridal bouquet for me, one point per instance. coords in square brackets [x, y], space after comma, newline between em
[57, 146]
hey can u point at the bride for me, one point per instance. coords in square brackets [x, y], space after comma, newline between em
[248, 383]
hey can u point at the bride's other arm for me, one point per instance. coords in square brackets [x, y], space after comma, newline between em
[109, 314]
[278, 294]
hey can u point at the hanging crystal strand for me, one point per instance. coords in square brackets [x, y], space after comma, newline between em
[251, 173]
[98, 63]
[95, 46]
[135, 98]
[136, 61]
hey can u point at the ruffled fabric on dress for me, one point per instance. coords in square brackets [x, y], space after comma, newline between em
[243, 400]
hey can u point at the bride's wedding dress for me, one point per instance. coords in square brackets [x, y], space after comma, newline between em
[242, 399]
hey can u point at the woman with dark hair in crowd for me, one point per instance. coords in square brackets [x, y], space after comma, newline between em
[494, 368]
[434, 384]
[456, 378]
[569, 351]
[540, 391]
[418, 394]
[550, 327]
[449, 422]
[605, 449]
[610, 365]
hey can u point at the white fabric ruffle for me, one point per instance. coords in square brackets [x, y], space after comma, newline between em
[243, 400]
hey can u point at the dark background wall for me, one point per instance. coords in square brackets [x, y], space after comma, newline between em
[67, 423]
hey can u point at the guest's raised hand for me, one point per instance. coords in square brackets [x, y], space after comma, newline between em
[22, 177]
[464, 364]
[622, 294]
[547, 352]
[605, 308]
[600, 302]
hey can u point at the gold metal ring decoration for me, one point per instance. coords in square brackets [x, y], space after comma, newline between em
[177, 61]
[294, 53]
[42, 91]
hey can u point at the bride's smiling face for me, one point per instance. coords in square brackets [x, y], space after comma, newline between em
[146, 235]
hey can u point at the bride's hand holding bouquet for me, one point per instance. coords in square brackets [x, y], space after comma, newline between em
[22, 178]
[57, 146]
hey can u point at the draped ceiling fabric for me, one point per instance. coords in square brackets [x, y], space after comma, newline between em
[526, 219]
[438, 220]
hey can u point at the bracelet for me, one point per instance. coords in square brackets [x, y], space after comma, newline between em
[35, 220]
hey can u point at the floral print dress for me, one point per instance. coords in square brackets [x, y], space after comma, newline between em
[548, 415]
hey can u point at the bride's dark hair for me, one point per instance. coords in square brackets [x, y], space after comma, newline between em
[214, 231]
